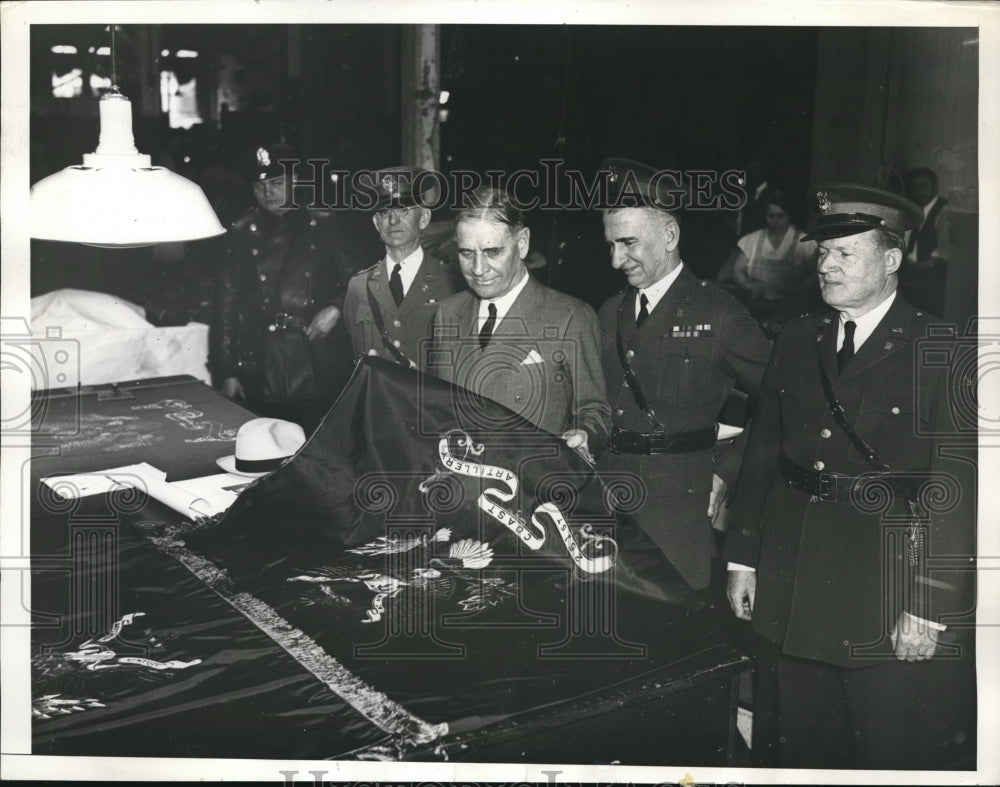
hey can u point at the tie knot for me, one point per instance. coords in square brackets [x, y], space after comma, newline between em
[644, 300]
[849, 327]
[492, 308]
[398, 268]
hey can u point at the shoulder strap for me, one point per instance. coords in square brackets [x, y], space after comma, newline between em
[633, 380]
[837, 410]
[397, 353]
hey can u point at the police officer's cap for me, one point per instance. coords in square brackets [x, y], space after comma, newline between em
[403, 187]
[269, 158]
[849, 209]
[632, 184]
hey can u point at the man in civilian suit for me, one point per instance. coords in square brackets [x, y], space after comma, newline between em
[515, 341]
[390, 306]
[673, 349]
[852, 539]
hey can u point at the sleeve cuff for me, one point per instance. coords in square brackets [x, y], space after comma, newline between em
[928, 623]
[740, 567]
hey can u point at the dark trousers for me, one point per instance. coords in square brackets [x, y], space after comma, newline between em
[896, 715]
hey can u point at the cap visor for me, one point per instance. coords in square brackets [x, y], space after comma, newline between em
[831, 231]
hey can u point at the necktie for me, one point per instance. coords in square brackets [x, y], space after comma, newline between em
[643, 310]
[846, 351]
[486, 332]
[396, 285]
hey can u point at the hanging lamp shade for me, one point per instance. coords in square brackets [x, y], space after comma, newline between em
[117, 198]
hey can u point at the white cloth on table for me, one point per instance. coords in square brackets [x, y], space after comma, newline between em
[111, 341]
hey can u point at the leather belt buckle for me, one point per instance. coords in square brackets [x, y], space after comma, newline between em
[827, 490]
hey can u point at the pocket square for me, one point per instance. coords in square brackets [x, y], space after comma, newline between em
[532, 357]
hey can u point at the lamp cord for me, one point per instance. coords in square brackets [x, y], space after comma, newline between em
[114, 59]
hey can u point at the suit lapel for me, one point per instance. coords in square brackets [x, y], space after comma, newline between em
[891, 335]
[626, 316]
[378, 285]
[826, 339]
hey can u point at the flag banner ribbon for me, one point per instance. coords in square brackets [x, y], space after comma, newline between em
[493, 500]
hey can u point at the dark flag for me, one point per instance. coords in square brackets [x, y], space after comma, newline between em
[428, 576]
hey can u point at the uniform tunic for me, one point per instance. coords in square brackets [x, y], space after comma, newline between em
[697, 343]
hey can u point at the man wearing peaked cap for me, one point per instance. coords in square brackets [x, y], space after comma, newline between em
[835, 532]
[673, 348]
[277, 339]
[390, 306]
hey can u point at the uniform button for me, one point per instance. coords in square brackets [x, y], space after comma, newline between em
[813, 499]
[630, 354]
[312, 222]
[396, 323]
[272, 328]
[818, 465]
[895, 411]
[687, 360]
[263, 277]
[624, 383]
[307, 274]
[312, 247]
[619, 411]
[253, 228]
[397, 343]
[824, 433]
[254, 252]
[690, 491]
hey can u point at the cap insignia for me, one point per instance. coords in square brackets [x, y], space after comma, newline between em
[823, 202]
[263, 157]
[387, 185]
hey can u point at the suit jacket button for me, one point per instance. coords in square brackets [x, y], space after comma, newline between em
[630, 354]
[396, 323]
[825, 433]
[619, 411]
[895, 411]
[818, 465]
[397, 343]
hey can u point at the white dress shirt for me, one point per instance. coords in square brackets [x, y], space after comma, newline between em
[655, 291]
[865, 325]
[407, 270]
[503, 303]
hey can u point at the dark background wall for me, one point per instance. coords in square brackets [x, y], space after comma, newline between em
[806, 102]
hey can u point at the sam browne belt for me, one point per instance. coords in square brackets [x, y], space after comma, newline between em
[837, 488]
[624, 441]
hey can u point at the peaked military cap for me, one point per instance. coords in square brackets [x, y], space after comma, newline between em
[403, 187]
[849, 209]
[632, 184]
[269, 158]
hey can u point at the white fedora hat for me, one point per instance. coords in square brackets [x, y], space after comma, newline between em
[262, 445]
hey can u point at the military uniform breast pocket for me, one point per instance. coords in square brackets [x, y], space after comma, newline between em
[685, 370]
[895, 431]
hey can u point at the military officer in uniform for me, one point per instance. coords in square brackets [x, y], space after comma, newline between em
[852, 536]
[278, 341]
[673, 348]
[390, 306]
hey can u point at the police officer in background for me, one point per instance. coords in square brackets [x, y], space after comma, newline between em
[673, 348]
[852, 537]
[278, 340]
[390, 306]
